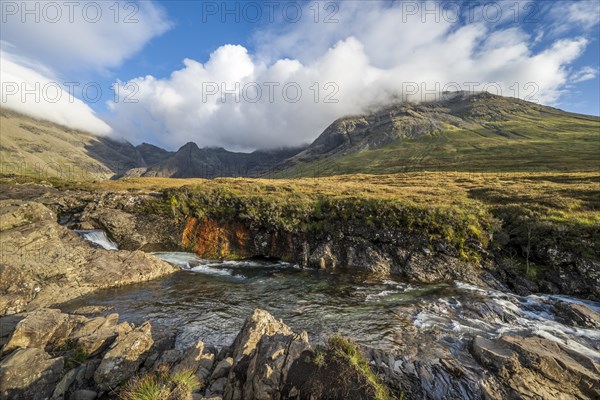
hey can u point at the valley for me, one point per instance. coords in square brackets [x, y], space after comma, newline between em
[427, 251]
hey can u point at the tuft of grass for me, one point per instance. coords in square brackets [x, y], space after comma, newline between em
[75, 358]
[161, 386]
[319, 358]
[351, 353]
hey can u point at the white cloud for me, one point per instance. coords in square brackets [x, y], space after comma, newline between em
[370, 55]
[72, 38]
[81, 35]
[584, 74]
[30, 88]
[582, 14]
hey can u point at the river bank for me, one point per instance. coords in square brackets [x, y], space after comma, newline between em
[434, 315]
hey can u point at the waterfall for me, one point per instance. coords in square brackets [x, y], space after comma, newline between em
[99, 238]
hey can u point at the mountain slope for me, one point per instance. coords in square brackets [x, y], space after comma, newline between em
[152, 154]
[190, 161]
[465, 132]
[33, 147]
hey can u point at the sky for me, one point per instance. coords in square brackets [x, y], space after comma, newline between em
[266, 74]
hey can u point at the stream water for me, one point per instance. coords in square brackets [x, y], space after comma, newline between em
[209, 300]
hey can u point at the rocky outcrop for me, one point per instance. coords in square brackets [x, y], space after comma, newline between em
[268, 360]
[124, 358]
[356, 248]
[44, 263]
[29, 373]
[45, 328]
[262, 355]
[577, 315]
[537, 368]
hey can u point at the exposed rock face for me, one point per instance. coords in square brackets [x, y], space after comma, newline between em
[41, 329]
[263, 353]
[537, 368]
[357, 248]
[29, 374]
[125, 357]
[44, 263]
[269, 361]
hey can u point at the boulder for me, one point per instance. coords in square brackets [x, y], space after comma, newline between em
[258, 324]
[65, 383]
[216, 388]
[124, 358]
[29, 373]
[8, 325]
[97, 334]
[263, 352]
[44, 328]
[197, 359]
[222, 369]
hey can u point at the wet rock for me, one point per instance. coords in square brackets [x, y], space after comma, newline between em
[577, 315]
[124, 358]
[29, 373]
[534, 367]
[40, 329]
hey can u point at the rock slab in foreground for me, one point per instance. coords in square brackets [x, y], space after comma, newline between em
[29, 374]
[44, 263]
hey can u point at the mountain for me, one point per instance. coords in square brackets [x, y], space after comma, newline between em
[32, 147]
[462, 132]
[190, 161]
[152, 154]
[481, 132]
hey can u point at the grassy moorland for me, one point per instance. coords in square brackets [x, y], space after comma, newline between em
[521, 210]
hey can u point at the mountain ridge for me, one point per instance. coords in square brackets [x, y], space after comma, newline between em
[460, 132]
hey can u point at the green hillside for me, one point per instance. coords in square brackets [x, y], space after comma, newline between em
[493, 134]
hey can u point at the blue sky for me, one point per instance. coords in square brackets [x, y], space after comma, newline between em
[344, 58]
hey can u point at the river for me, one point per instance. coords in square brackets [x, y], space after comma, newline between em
[209, 300]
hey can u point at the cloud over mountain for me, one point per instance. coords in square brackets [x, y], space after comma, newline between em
[375, 53]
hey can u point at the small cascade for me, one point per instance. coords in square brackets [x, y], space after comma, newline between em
[99, 238]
